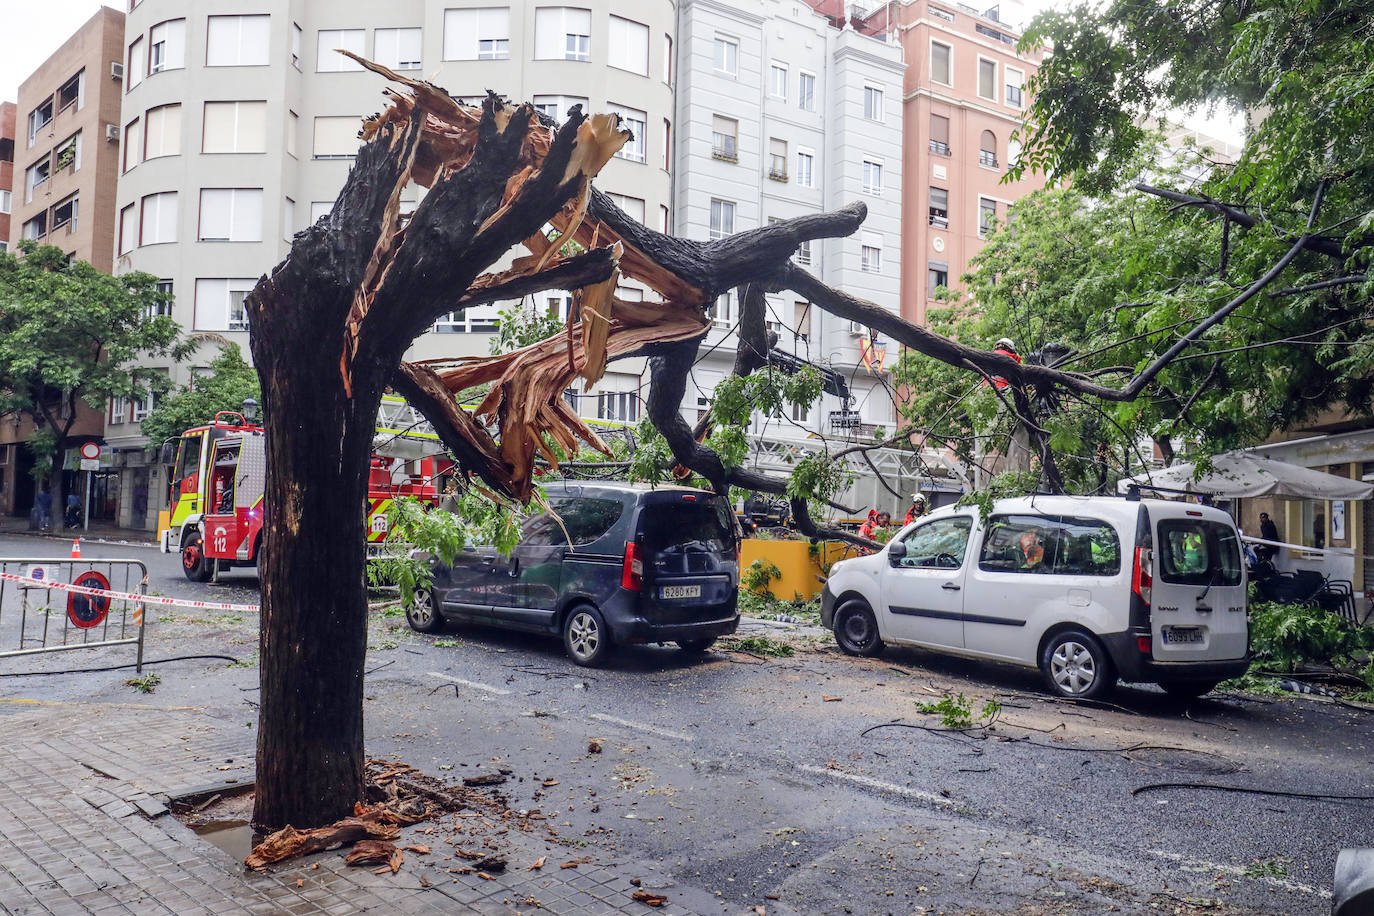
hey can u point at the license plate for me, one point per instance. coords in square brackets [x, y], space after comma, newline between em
[1179, 635]
[680, 591]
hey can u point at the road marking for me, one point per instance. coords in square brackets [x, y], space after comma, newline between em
[640, 726]
[473, 684]
[1204, 865]
[880, 785]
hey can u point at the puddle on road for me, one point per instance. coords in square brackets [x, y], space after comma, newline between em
[234, 837]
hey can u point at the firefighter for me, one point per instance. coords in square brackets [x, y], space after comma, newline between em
[879, 522]
[918, 507]
[1004, 347]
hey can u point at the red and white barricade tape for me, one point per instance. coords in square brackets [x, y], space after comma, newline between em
[126, 596]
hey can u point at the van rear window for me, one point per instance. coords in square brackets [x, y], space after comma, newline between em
[1060, 544]
[1193, 552]
[665, 525]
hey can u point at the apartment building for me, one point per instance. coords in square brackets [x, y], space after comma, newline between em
[64, 140]
[7, 122]
[239, 125]
[780, 114]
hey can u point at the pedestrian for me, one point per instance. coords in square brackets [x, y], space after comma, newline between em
[73, 510]
[44, 502]
[1268, 532]
[918, 507]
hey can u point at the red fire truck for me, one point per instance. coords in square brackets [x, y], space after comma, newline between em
[218, 475]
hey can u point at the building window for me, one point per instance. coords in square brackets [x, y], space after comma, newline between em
[634, 148]
[119, 410]
[37, 227]
[128, 229]
[987, 216]
[220, 304]
[873, 103]
[871, 255]
[1013, 152]
[133, 143]
[163, 307]
[941, 63]
[64, 214]
[562, 33]
[724, 138]
[73, 92]
[477, 34]
[296, 42]
[629, 46]
[937, 275]
[987, 79]
[801, 320]
[230, 215]
[1015, 80]
[39, 118]
[777, 81]
[987, 150]
[665, 219]
[167, 46]
[727, 55]
[330, 42]
[237, 41]
[939, 135]
[36, 176]
[158, 222]
[288, 219]
[804, 253]
[336, 138]
[397, 49]
[6, 204]
[293, 131]
[619, 406]
[668, 59]
[723, 309]
[806, 168]
[777, 159]
[162, 132]
[319, 209]
[633, 206]
[667, 145]
[873, 177]
[806, 91]
[136, 68]
[558, 107]
[939, 208]
[722, 218]
[234, 127]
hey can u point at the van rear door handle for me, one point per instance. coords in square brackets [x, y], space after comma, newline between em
[950, 587]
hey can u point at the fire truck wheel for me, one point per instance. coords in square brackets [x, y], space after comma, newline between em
[193, 560]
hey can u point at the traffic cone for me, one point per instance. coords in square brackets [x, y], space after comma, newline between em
[76, 548]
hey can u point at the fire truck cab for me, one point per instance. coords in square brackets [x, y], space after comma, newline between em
[218, 476]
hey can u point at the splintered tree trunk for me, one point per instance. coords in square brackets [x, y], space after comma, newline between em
[314, 609]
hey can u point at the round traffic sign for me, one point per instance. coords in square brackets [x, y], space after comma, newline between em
[86, 611]
[90, 450]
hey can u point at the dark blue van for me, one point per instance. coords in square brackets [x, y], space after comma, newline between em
[617, 564]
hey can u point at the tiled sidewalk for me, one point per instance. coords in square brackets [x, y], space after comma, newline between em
[84, 829]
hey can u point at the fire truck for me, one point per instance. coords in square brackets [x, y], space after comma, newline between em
[218, 475]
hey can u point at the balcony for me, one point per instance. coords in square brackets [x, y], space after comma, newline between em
[939, 220]
[987, 159]
[939, 147]
[723, 147]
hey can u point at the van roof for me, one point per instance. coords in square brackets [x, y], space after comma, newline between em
[1117, 508]
[621, 487]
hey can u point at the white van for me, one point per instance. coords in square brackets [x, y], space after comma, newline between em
[1088, 589]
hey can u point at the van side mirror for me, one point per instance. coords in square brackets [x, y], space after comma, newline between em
[896, 552]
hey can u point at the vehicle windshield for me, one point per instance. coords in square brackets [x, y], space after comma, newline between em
[188, 461]
[1197, 552]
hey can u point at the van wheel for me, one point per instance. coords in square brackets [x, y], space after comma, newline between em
[1188, 690]
[585, 636]
[856, 630]
[1075, 665]
[422, 614]
[193, 560]
[696, 646]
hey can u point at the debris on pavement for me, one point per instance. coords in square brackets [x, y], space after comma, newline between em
[649, 899]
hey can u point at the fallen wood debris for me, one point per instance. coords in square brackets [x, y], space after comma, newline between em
[649, 898]
[371, 852]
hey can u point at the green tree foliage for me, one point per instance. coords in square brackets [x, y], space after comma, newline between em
[229, 382]
[70, 334]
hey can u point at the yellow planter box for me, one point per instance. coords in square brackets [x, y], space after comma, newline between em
[801, 571]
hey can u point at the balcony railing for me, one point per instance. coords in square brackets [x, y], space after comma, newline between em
[939, 221]
[939, 147]
[723, 146]
[987, 159]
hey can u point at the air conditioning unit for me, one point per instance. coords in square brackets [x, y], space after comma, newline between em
[112, 133]
[116, 70]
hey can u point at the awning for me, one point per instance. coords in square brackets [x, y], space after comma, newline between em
[1239, 475]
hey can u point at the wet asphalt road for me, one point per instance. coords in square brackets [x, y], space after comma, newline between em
[754, 778]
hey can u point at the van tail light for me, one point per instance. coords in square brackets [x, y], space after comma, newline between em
[1142, 643]
[632, 573]
[1141, 578]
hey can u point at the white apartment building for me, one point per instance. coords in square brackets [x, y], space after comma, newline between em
[239, 125]
[779, 114]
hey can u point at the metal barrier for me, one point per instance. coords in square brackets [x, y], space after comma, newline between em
[29, 611]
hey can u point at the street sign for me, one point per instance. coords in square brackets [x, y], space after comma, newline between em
[86, 611]
[41, 573]
[90, 464]
[90, 451]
